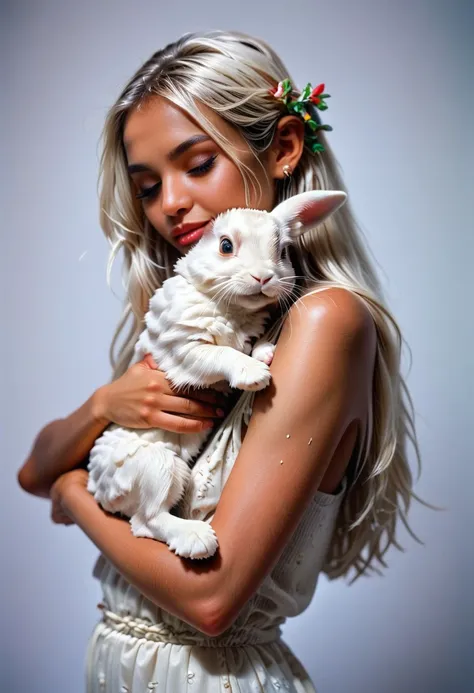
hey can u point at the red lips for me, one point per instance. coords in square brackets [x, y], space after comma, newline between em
[186, 228]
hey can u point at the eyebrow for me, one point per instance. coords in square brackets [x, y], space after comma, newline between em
[173, 154]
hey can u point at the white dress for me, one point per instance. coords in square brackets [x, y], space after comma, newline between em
[138, 647]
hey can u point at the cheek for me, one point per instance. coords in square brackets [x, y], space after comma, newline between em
[227, 189]
[155, 218]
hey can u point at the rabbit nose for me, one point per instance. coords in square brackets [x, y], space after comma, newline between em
[264, 279]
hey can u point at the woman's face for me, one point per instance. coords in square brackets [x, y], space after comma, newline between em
[183, 175]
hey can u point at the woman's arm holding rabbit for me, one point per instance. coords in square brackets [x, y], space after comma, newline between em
[321, 376]
[321, 385]
[140, 398]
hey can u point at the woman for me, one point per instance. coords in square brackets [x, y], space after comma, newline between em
[321, 475]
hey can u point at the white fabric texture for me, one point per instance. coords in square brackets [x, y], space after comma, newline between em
[138, 647]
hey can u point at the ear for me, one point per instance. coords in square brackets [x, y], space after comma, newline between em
[306, 210]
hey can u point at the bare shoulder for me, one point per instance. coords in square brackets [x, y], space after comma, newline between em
[333, 314]
[327, 345]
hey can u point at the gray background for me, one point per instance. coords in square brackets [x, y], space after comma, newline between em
[398, 76]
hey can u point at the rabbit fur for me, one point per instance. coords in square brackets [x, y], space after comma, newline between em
[201, 328]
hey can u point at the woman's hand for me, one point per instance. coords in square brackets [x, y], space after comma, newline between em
[143, 398]
[58, 491]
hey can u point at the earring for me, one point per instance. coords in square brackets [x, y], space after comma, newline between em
[287, 171]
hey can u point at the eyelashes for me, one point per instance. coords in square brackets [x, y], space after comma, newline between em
[196, 171]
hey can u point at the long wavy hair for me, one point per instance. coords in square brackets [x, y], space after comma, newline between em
[231, 73]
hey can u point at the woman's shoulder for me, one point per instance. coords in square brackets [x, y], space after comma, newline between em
[327, 350]
[337, 312]
[328, 345]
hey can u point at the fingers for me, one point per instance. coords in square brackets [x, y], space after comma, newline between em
[209, 396]
[206, 395]
[179, 424]
[65, 520]
[60, 518]
[201, 395]
[182, 405]
[148, 360]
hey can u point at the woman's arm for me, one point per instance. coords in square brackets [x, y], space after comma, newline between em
[61, 445]
[321, 380]
[180, 586]
[140, 398]
[321, 386]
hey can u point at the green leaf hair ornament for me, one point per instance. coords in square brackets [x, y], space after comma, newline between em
[308, 98]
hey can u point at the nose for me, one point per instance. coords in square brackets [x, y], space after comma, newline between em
[266, 276]
[175, 199]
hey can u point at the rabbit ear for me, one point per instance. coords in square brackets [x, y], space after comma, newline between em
[306, 210]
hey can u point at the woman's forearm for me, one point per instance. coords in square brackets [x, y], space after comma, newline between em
[61, 445]
[182, 587]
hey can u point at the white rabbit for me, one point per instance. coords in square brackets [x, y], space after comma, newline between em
[199, 330]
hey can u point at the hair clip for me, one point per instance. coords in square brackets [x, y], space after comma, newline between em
[308, 98]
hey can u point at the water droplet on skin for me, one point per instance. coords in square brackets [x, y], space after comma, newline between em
[310, 441]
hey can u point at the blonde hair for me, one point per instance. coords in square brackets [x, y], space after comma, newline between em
[231, 73]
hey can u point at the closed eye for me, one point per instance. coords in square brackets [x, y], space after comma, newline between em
[196, 171]
[148, 192]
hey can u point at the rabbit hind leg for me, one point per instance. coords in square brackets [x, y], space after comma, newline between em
[187, 538]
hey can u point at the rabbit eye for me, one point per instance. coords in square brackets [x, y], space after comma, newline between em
[226, 246]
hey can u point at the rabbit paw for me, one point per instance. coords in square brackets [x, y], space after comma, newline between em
[139, 528]
[264, 352]
[197, 541]
[255, 375]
